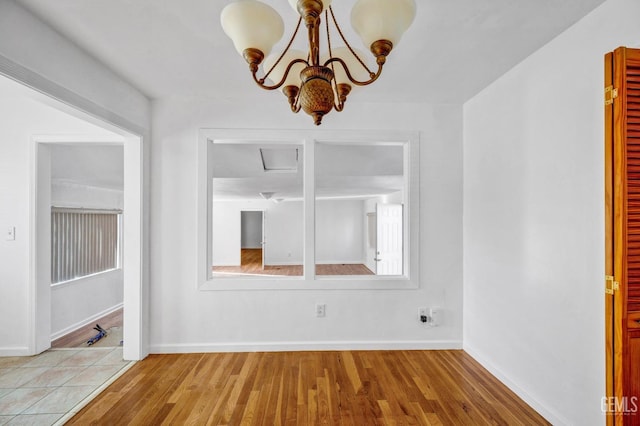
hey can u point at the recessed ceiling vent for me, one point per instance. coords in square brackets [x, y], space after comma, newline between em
[279, 160]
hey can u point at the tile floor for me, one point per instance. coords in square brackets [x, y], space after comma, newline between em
[47, 389]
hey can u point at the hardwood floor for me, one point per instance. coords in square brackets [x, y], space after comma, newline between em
[251, 264]
[81, 335]
[342, 269]
[305, 388]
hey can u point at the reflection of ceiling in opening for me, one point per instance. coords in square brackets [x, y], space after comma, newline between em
[342, 171]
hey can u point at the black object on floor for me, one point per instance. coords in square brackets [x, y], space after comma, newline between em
[101, 333]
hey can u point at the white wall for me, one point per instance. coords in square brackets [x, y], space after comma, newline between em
[31, 52]
[283, 231]
[22, 118]
[187, 319]
[79, 302]
[225, 231]
[68, 194]
[339, 231]
[534, 219]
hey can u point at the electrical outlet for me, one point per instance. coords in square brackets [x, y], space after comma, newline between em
[423, 315]
[435, 315]
[321, 310]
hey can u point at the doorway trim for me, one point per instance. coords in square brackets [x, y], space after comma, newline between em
[40, 259]
[136, 199]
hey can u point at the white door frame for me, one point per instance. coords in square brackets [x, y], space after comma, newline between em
[40, 247]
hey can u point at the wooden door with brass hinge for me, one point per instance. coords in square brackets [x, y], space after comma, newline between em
[622, 236]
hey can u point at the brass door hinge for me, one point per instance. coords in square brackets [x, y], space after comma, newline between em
[611, 285]
[609, 95]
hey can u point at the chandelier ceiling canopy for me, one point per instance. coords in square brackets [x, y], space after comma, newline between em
[316, 80]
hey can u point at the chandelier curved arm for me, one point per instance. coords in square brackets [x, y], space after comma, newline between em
[260, 81]
[373, 76]
[292, 93]
[341, 90]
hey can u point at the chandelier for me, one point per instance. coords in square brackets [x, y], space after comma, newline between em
[316, 81]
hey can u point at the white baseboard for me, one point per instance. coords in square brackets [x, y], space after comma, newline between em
[86, 321]
[15, 351]
[299, 263]
[304, 346]
[550, 415]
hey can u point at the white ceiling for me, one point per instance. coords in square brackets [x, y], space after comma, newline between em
[170, 48]
[91, 163]
[173, 48]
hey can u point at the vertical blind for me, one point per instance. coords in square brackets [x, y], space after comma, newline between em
[83, 242]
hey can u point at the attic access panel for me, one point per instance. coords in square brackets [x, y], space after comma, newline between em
[279, 160]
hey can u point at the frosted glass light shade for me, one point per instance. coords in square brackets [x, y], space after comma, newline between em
[355, 68]
[252, 24]
[325, 4]
[293, 79]
[375, 20]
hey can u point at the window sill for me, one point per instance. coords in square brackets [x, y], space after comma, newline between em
[299, 283]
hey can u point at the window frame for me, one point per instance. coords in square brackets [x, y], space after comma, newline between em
[308, 140]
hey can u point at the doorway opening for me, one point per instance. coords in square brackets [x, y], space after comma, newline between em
[46, 122]
[86, 239]
[252, 241]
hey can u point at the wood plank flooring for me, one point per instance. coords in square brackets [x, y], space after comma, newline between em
[81, 335]
[308, 388]
[251, 264]
[343, 269]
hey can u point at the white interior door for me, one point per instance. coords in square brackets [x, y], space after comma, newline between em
[389, 239]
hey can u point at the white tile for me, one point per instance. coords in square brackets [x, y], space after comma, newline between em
[3, 373]
[50, 358]
[14, 361]
[60, 400]
[94, 375]
[4, 420]
[113, 358]
[85, 357]
[21, 399]
[54, 376]
[34, 420]
[16, 377]
[5, 391]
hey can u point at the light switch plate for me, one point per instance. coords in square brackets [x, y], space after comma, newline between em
[11, 233]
